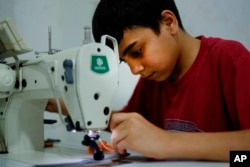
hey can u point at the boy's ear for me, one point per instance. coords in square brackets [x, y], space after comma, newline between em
[170, 21]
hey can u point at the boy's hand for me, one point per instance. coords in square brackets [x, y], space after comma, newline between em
[52, 106]
[132, 131]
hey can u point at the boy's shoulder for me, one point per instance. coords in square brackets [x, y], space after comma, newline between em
[220, 42]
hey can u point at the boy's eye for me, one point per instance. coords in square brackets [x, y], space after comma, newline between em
[137, 53]
[133, 54]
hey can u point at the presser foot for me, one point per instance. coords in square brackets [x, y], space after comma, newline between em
[91, 142]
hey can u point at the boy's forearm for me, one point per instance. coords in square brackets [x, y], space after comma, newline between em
[52, 106]
[206, 146]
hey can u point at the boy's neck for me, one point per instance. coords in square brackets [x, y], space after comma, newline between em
[188, 51]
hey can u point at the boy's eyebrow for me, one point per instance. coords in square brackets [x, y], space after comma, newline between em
[130, 46]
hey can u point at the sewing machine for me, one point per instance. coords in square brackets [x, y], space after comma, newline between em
[85, 78]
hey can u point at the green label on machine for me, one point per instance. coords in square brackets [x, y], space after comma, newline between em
[99, 64]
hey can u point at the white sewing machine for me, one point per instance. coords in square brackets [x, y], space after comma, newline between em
[85, 77]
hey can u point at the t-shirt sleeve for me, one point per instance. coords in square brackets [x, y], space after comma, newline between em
[237, 86]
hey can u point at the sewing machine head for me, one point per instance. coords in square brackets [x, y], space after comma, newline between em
[88, 92]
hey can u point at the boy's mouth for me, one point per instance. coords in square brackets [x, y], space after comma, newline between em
[150, 76]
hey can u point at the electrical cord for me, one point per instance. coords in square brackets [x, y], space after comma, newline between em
[46, 66]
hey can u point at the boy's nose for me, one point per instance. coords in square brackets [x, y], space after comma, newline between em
[136, 68]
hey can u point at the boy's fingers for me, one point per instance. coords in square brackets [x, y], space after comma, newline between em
[117, 118]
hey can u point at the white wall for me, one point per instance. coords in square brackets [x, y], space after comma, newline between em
[32, 18]
[224, 18]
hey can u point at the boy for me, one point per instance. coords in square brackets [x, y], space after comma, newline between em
[196, 85]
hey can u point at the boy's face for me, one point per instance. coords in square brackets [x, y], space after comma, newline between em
[151, 55]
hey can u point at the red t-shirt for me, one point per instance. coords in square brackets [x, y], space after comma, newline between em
[212, 96]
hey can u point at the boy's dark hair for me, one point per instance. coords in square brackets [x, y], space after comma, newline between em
[112, 17]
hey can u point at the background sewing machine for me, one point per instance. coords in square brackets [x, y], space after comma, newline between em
[84, 77]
